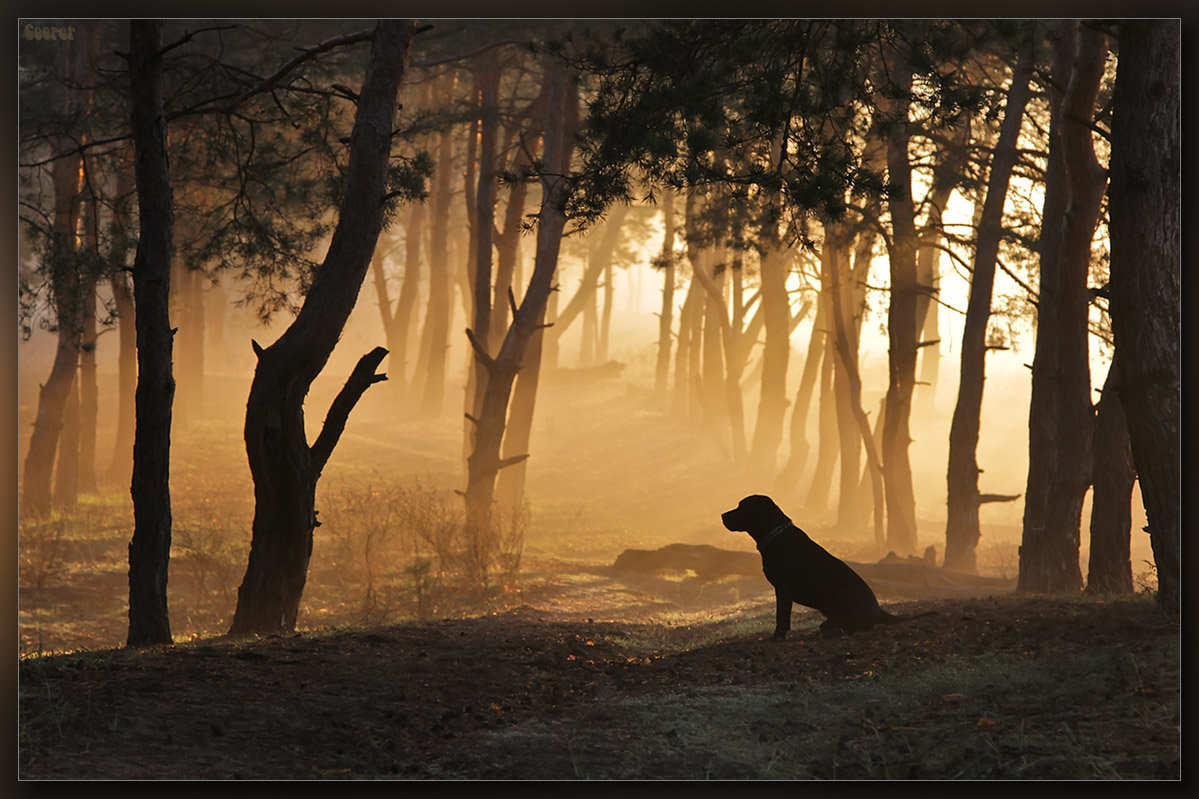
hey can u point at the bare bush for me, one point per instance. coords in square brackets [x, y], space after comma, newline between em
[401, 550]
[42, 550]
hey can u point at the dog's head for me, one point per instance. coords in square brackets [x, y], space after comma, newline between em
[756, 515]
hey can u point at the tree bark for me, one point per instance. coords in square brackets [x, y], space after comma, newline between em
[285, 469]
[120, 468]
[1050, 545]
[1109, 568]
[1146, 278]
[901, 324]
[149, 550]
[962, 520]
[484, 462]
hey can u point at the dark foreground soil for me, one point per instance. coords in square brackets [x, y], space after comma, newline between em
[989, 688]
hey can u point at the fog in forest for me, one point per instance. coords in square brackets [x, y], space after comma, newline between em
[621, 455]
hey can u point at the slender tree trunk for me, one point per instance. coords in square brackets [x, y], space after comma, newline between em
[962, 522]
[901, 327]
[727, 338]
[285, 469]
[683, 371]
[666, 316]
[776, 354]
[120, 468]
[488, 82]
[1049, 553]
[846, 346]
[485, 461]
[605, 317]
[789, 477]
[403, 319]
[1146, 278]
[1109, 569]
[826, 445]
[89, 397]
[66, 466]
[437, 318]
[149, 551]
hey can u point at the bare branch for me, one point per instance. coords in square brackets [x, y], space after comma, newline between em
[362, 378]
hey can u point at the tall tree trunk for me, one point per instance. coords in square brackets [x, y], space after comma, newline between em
[827, 442]
[485, 461]
[1146, 278]
[605, 316]
[666, 315]
[510, 485]
[724, 343]
[901, 324]
[488, 85]
[66, 296]
[689, 318]
[149, 551]
[845, 340]
[66, 466]
[1049, 550]
[928, 272]
[792, 471]
[437, 318]
[1109, 569]
[189, 300]
[120, 468]
[962, 524]
[776, 354]
[285, 469]
[89, 394]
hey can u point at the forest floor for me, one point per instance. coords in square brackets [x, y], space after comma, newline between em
[989, 688]
[571, 668]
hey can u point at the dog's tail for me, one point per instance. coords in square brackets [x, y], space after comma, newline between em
[891, 618]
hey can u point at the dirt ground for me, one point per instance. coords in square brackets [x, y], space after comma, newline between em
[989, 688]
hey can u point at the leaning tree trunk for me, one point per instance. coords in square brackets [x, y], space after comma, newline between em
[65, 288]
[149, 551]
[962, 521]
[285, 469]
[485, 462]
[1146, 278]
[1049, 549]
[1109, 569]
[901, 327]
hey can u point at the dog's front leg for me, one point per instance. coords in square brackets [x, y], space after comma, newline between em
[782, 614]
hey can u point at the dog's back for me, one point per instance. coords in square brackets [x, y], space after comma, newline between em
[820, 580]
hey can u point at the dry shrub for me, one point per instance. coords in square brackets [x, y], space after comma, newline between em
[399, 550]
[207, 562]
[42, 551]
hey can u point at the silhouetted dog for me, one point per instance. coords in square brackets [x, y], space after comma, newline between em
[803, 571]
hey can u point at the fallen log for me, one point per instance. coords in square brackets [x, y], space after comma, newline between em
[890, 577]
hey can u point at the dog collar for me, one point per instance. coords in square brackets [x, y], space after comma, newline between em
[773, 534]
